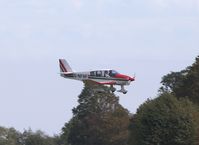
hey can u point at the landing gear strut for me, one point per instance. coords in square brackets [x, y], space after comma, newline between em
[112, 89]
[122, 90]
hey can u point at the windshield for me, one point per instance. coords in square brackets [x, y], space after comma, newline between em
[113, 73]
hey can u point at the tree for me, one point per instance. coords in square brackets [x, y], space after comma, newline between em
[99, 119]
[190, 86]
[173, 82]
[65, 132]
[9, 136]
[164, 121]
[37, 138]
[184, 83]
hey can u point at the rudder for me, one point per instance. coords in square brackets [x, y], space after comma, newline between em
[64, 66]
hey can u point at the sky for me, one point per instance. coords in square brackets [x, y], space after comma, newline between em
[149, 38]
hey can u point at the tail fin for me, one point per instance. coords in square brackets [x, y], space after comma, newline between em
[64, 66]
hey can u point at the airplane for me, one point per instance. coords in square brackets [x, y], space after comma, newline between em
[102, 77]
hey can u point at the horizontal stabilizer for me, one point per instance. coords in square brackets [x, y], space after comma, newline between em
[65, 73]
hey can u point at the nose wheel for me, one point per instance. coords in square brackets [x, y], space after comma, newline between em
[125, 92]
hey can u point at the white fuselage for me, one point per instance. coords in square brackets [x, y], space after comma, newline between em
[99, 76]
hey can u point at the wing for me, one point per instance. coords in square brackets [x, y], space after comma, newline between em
[107, 83]
[102, 82]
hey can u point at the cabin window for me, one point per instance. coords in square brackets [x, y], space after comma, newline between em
[106, 73]
[99, 73]
[92, 73]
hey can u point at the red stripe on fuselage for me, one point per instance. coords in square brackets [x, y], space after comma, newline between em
[106, 83]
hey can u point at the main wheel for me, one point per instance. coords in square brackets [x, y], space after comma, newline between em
[113, 89]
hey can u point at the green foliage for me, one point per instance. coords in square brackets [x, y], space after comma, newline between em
[191, 83]
[196, 120]
[65, 132]
[184, 83]
[9, 136]
[36, 138]
[173, 81]
[164, 121]
[98, 119]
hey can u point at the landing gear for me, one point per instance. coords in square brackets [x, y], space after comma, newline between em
[112, 89]
[125, 92]
[122, 90]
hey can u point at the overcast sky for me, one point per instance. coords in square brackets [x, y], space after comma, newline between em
[148, 37]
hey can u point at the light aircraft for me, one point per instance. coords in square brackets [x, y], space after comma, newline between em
[103, 77]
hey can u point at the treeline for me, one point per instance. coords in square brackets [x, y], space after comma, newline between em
[10, 136]
[172, 118]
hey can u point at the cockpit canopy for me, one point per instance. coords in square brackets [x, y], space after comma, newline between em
[104, 73]
[112, 73]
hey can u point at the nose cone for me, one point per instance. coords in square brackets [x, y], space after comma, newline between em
[125, 77]
[122, 76]
[132, 79]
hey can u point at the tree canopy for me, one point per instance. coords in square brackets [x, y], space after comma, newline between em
[99, 119]
[9, 136]
[164, 121]
[184, 83]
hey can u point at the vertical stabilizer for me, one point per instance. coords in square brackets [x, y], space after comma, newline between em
[64, 66]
